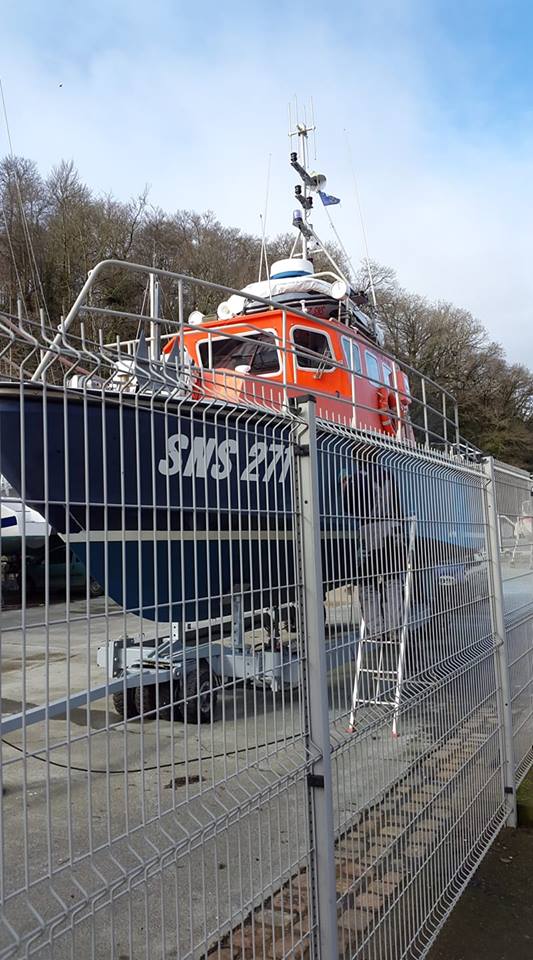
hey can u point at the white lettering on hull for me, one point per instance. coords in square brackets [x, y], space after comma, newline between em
[265, 460]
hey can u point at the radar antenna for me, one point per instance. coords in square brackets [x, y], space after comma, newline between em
[299, 160]
[312, 183]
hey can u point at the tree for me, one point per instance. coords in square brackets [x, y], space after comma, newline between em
[23, 211]
[53, 231]
[447, 345]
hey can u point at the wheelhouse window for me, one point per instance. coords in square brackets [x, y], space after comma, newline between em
[388, 375]
[352, 354]
[372, 367]
[258, 351]
[312, 349]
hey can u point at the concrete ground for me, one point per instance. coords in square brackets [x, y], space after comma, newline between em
[223, 806]
[135, 794]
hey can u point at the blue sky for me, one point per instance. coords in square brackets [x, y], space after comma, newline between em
[191, 98]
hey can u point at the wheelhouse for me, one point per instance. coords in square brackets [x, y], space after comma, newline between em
[274, 355]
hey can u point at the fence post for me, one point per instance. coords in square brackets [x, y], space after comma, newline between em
[503, 698]
[319, 781]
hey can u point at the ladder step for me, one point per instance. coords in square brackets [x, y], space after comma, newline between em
[372, 702]
[383, 674]
[381, 643]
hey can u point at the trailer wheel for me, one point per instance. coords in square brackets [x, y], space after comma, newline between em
[95, 590]
[125, 705]
[153, 700]
[145, 701]
[200, 698]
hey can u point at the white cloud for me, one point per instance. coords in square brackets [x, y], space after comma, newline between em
[198, 115]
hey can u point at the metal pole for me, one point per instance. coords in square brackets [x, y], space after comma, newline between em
[181, 331]
[42, 353]
[155, 328]
[404, 631]
[320, 790]
[397, 403]
[425, 412]
[284, 348]
[457, 430]
[303, 138]
[358, 661]
[503, 698]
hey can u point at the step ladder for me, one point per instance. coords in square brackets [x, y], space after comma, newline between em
[380, 661]
[523, 534]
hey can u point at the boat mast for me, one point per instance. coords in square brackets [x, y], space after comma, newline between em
[299, 159]
[313, 183]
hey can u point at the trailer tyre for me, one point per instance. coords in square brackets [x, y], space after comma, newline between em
[125, 705]
[95, 590]
[200, 696]
[153, 700]
[145, 701]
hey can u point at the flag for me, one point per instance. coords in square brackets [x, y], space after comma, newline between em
[327, 199]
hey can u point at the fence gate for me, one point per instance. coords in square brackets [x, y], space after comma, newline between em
[185, 770]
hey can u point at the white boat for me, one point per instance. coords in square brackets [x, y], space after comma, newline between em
[19, 523]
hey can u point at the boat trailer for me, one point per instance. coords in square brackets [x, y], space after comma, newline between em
[181, 677]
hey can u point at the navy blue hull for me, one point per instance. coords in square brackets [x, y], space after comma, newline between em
[171, 510]
[175, 507]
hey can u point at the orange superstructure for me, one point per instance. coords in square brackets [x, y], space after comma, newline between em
[274, 355]
[300, 331]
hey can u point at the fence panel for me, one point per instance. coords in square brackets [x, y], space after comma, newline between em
[256, 660]
[156, 788]
[414, 700]
[515, 512]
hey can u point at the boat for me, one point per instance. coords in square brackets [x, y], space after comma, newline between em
[21, 527]
[168, 467]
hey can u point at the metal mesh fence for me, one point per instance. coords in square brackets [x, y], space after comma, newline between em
[253, 677]
[124, 831]
[414, 705]
[514, 501]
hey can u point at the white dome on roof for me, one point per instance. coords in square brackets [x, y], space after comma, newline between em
[291, 267]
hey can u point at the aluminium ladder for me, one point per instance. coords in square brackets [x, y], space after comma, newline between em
[380, 662]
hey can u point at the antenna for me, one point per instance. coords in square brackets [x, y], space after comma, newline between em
[312, 183]
[263, 218]
[299, 160]
[361, 219]
[313, 124]
[36, 277]
[264, 253]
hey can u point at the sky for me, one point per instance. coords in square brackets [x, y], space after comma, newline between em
[429, 102]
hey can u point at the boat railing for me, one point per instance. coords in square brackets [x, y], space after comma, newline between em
[83, 350]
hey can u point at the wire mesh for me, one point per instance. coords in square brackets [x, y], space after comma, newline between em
[413, 698]
[121, 829]
[158, 769]
[514, 497]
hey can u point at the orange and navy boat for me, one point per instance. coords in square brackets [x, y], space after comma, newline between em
[312, 337]
[299, 332]
[170, 473]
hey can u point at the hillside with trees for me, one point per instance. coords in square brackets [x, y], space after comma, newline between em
[54, 229]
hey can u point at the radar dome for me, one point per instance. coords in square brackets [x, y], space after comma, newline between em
[291, 267]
